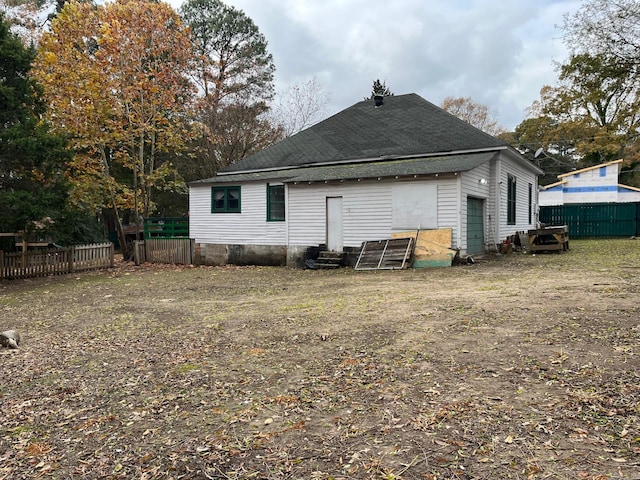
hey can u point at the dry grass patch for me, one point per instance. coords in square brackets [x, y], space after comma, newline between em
[515, 367]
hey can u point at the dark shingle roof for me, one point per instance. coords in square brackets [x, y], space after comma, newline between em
[364, 170]
[405, 125]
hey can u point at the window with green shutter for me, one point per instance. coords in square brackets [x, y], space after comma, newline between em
[225, 199]
[530, 202]
[511, 200]
[275, 203]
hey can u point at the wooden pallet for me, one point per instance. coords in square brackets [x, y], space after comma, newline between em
[554, 239]
[390, 254]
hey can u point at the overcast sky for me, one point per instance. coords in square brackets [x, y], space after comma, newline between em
[498, 52]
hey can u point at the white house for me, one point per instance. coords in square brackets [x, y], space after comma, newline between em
[595, 184]
[381, 166]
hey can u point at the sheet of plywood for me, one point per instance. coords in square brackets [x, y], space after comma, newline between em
[433, 247]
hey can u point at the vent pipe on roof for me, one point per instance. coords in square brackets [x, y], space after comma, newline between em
[379, 100]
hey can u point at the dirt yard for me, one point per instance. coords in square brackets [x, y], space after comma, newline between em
[520, 366]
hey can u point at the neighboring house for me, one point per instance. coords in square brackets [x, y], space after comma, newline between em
[596, 184]
[381, 166]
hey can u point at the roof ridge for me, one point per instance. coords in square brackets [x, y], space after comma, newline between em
[404, 125]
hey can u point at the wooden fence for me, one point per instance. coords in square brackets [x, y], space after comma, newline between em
[164, 250]
[40, 263]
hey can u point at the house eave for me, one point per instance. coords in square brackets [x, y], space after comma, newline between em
[432, 176]
[403, 168]
[367, 160]
[517, 156]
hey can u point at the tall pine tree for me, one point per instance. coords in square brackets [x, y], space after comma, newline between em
[379, 89]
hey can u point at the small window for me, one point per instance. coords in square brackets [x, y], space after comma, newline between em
[225, 200]
[511, 200]
[603, 171]
[275, 203]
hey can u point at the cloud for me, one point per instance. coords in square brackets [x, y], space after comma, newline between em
[498, 53]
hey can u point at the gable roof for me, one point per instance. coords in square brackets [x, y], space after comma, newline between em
[404, 126]
[593, 167]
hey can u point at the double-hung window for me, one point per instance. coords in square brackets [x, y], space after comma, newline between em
[275, 203]
[511, 200]
[225, 199]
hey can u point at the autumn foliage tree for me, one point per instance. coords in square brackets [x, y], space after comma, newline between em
[608, 33]
[116, 80]
[474, 113]
[592, 113]
[597, 105]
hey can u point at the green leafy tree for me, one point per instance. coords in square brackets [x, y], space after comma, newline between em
[598, 103]
[234, 73]
[605, 35]
[535, 138]
[116, 79]
[232, 56]
[591, 116]
[33, 186]
[19, 104]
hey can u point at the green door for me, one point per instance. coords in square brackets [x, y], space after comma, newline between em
[475, 226]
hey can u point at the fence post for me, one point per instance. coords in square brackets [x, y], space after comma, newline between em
[136, 251]
[71, 252]
[1, 264]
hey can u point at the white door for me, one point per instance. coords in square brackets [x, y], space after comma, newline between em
[334, 224]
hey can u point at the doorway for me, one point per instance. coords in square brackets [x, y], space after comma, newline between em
[335, 241]
[475, 226]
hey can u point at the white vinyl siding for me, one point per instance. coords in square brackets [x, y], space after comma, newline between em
[368, 206]
[366, 212]
[523, 178]
[249, 227]
[472, 186]
[367, 209]
[449, 207]
[590, 186]
[554, 196]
